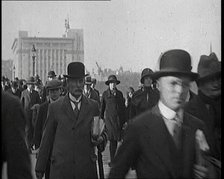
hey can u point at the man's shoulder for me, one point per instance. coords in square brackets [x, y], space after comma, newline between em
[192, 120]
[147, 118]
[137, 93]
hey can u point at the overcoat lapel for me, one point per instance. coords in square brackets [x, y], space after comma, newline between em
[83, 111]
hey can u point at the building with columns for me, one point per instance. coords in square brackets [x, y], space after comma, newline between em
[51, 53]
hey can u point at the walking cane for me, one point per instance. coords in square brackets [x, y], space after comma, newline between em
[100, 164]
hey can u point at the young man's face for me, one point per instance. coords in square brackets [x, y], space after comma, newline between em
[112, 85]
[75, 86]
[211, 87]
[147, 81]
[54, 94]
[173, 91]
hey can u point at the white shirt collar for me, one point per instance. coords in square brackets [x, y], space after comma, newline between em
[169, 113]
[74, 99]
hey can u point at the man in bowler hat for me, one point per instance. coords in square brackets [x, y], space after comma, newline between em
[207, 104]
[67, 137]
[144, 98]
[113, 112]
[160, 143]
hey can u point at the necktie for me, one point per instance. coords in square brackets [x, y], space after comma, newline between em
[176, 131]
[76, 109]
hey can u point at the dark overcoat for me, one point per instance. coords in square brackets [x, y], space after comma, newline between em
[14, 149]
[28, 100]
[39, 124]
[70, 136]
[143, 100]
[113, 111]
[149, 147]
[197, 107]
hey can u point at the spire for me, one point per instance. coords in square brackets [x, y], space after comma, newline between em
[67, 26]
[210, 47]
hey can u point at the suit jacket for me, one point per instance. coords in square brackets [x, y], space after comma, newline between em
[69, 137]
[14, 149]
[149, 147]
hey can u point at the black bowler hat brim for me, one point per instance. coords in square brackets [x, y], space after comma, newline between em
[193, 76]
[75, 77]
[112, 81]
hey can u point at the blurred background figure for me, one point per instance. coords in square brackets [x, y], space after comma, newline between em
[90, 92]
[15, 89]
[30, 98]
[146, 97]
[129, 96]
[113, 113]
[207, 104]
[14, 149]
[93, 86]
[54, 89]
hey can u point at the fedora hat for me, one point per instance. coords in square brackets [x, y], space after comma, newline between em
[51, 74]
[76, 70]
[112, 79]
[31, 80]
[88, 80]
[209, 67]
[175, 62]
[53, 84]
[146, 72]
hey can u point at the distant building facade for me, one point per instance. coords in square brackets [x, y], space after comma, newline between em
[7, 69]
[52, 53]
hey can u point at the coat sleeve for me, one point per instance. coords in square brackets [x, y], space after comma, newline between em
[126, 155]
[103, 106]
[13, 125]
[47, 141]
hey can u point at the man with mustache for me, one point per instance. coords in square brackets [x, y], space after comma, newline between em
[160, 143]
[68, 132]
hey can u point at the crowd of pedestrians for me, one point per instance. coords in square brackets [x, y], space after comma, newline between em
[164, 129]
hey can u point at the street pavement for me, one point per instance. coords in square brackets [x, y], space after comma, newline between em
[106, 159]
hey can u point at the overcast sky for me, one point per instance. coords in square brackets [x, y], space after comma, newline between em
[128, 33]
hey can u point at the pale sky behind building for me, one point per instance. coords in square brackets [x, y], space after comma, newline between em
[128, 33]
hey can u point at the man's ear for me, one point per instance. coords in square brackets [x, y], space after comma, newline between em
[157, 84]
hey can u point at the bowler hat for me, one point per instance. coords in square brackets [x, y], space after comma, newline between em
[209, 66]
[51, 74]
[146, 72]
[76, 70]
[53, 84]
[88, 80]
[31, 80]
[175, 62]
[112, 79]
